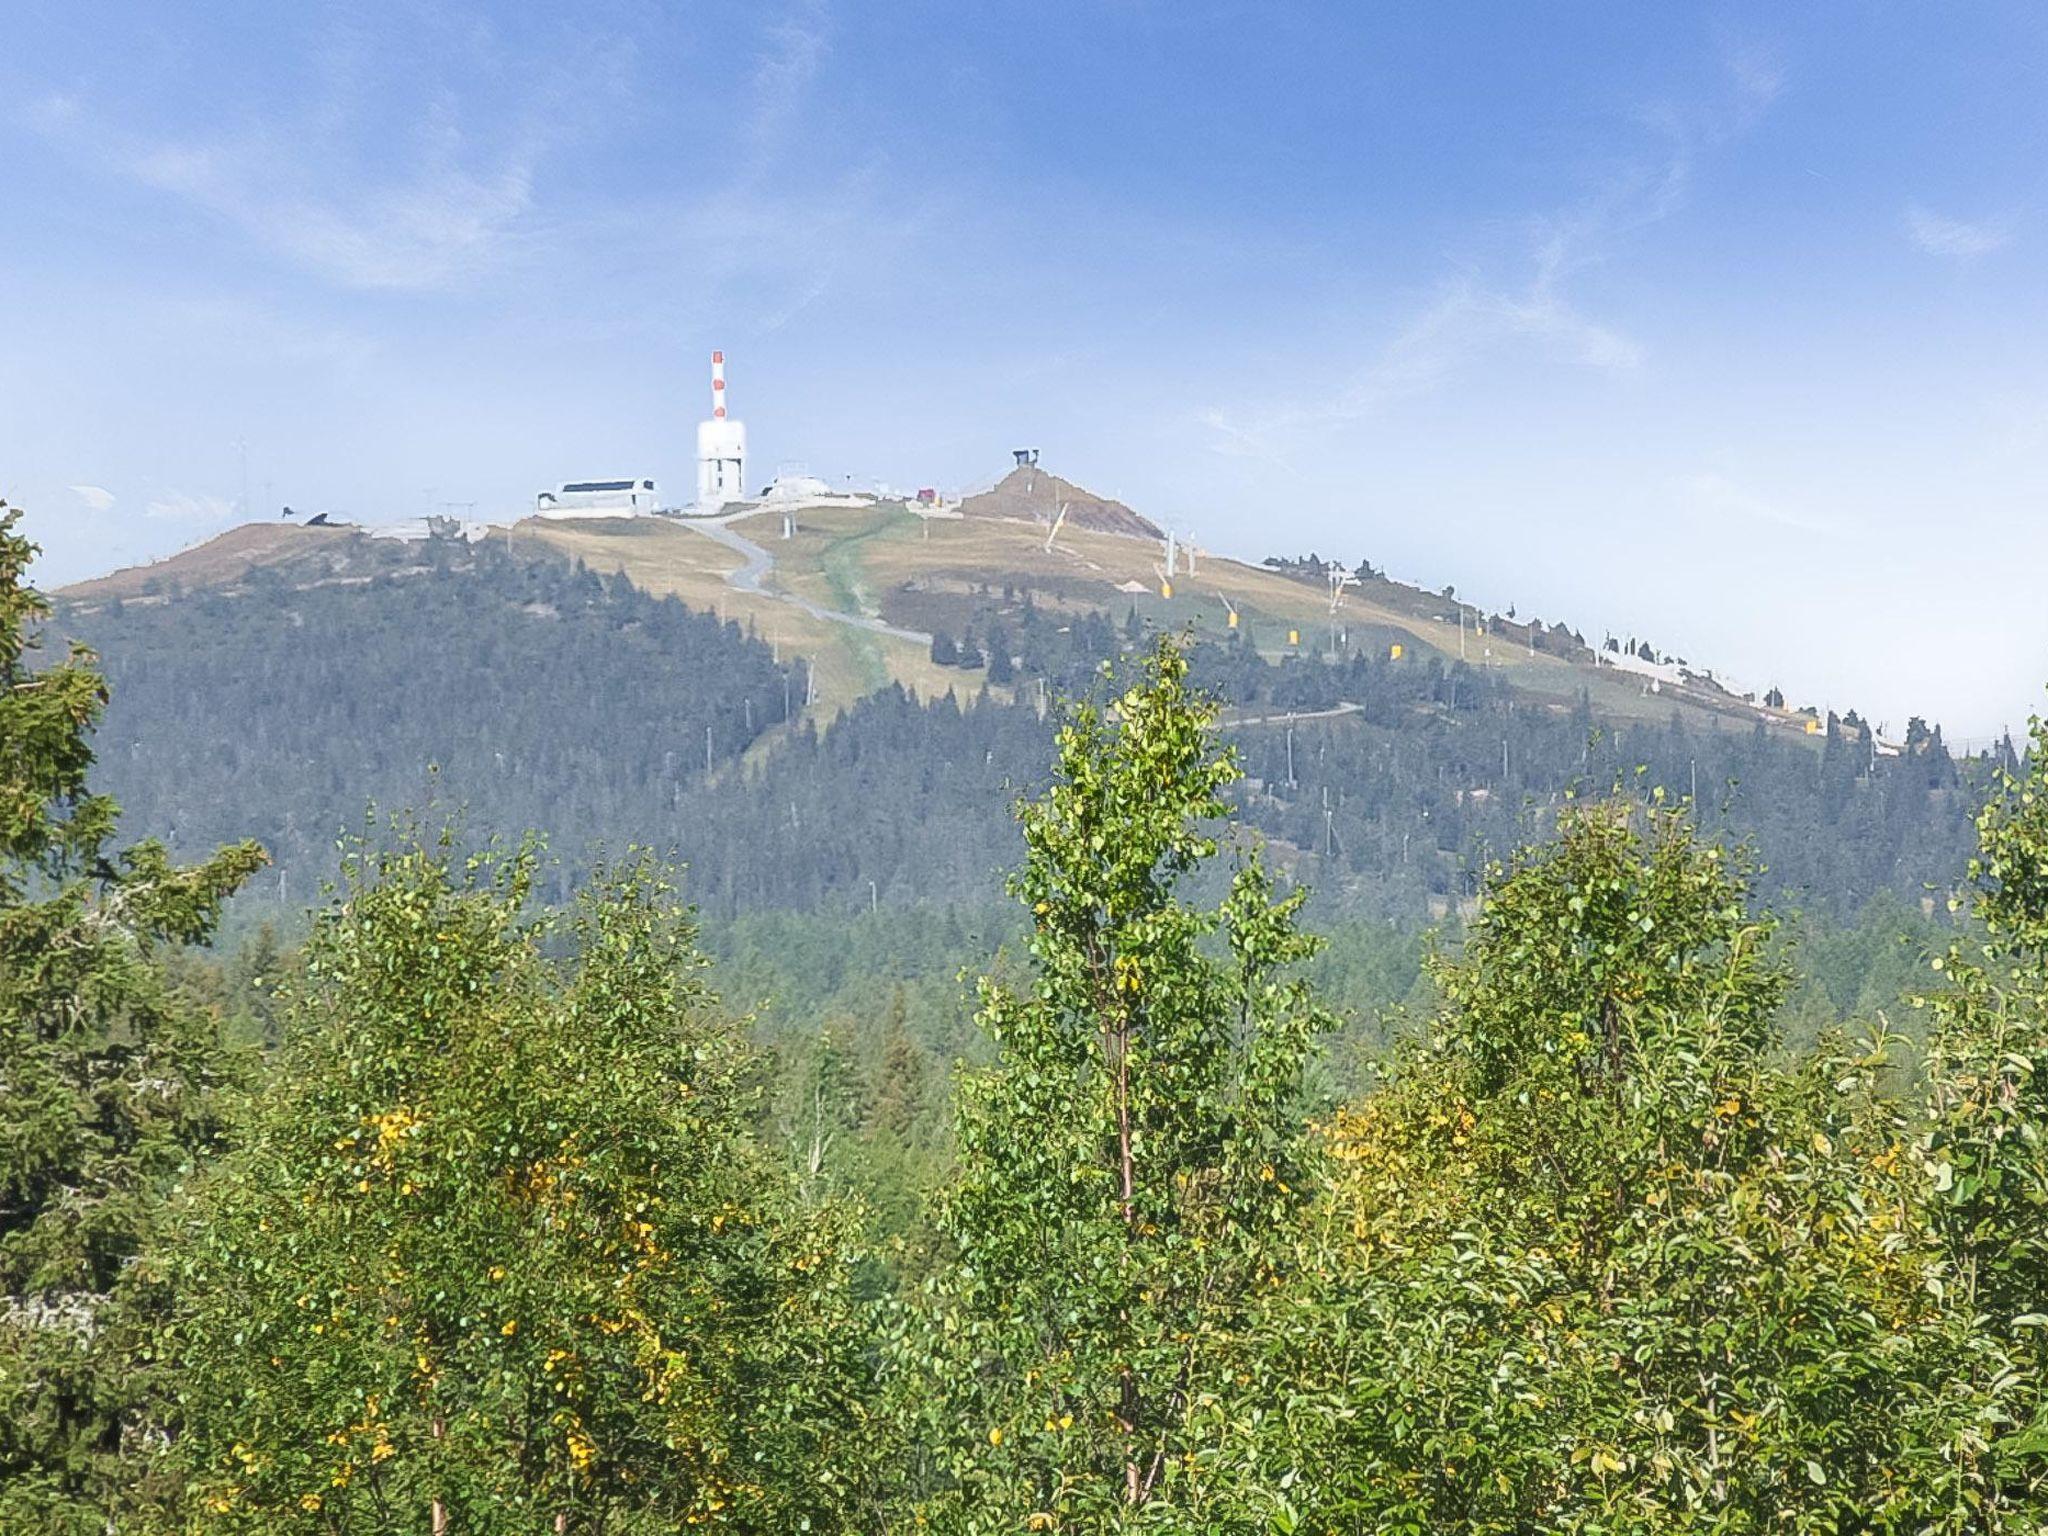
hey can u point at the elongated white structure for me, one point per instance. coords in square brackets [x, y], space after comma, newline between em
[721, 448]
[598, 498]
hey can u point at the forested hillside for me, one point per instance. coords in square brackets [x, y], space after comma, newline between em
[476, 1211]
[539, 694]
[522, 693]
[1387, 786]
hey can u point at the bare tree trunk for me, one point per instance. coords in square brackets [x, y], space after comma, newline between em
[1134, 1489]
[440, 1514]
[1123, 1124]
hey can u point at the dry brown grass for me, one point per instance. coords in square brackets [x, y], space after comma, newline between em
[885, 561]
[220, 561]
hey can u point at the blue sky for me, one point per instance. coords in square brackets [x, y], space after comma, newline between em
[1720, 325]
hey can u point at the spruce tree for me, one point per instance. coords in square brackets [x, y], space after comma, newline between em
[898, 1104]
[109, 1080]
[1000, 667]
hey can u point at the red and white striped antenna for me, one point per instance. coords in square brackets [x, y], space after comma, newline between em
[718, 386]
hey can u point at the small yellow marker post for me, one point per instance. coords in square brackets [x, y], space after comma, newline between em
[1294, 637]
[1395, 652]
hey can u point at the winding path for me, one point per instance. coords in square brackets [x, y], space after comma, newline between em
[752, 577]
[1292, 716]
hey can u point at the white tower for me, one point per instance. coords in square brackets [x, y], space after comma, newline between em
[721, 448]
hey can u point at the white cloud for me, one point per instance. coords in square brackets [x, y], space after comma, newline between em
[1940, 236]
[436, 223]
[361, 187]
[1464, 324]
[96, 498]
[1470, 321]
[783, 76]
[183, 507]
[1758, 73]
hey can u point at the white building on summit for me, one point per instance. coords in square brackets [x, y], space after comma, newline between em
[721, 449]
[598, 498]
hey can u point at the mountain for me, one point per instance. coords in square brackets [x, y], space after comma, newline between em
[842, 716]
[1029, 494]
[515, 693]
[861, 591]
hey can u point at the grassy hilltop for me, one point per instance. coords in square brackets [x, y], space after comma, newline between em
[923, 574]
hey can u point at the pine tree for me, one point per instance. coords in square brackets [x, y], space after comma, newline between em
[899, 1096]
[109, 1081]
[1000, 667]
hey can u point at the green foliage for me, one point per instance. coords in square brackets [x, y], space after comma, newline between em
[497, 1239]
[1590, 957]
[519, 1234]
[822, 1110]
[1599, 1260]
[1985, 1151]
[1129, 1163]
[109, 1079]
[47, 818]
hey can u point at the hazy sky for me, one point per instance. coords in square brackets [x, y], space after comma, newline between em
[1720, 325]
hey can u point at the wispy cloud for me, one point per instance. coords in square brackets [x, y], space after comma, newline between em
[798, 213]
[1470, 319]
[367, 187]
[439, 222]
[96, 498]
[1941, 236]
[784, 73]
[1758, 74]
[1464, 322]
[359, 183]
[185, 507]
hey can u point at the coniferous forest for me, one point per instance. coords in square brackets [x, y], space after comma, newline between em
[1449, 1117]
[532, 693]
